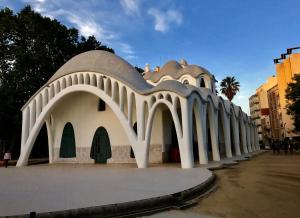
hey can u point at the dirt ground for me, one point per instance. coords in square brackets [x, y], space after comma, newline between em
[268, 186]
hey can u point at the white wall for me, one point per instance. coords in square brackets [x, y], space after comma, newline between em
[81, 109]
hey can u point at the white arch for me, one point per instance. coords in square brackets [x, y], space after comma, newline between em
[213, 125]
[235, 130]
[27, 146]
[200, 112]
[226, 128]
[176, 123]
[243, 132]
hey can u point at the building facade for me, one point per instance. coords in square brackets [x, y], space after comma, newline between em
[255, 114]
[277, 128]
[286, 67]
[98, 109]
[259, 110]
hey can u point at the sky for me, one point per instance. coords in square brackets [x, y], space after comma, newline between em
[227, 37]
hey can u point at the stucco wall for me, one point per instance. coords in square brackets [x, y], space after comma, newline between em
[81, 110]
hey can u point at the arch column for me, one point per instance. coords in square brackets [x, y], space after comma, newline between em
[248, 132]
[256, 138]
[25, 126]
[186, 142]
[236, 136]
[244, 138]
[227, 138]
[213, 125]
[200, 117]
[252, 138]
[140, 147]
[32, 117]
[50, 134]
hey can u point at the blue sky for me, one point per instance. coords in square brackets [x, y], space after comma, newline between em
[228, 37]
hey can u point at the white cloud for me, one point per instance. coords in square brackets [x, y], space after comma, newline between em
[88, 27]
[163, 20]
[131, 6]
[126, 48]
[131, 57]
[103, 23]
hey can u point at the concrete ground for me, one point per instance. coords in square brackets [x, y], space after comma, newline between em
[44, 188]
[268, 186]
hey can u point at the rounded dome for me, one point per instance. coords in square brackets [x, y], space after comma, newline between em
[194, 70]
[170, 67]
[176, 70]
[103, 62]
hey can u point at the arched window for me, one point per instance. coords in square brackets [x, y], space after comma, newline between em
[67, 145]
[202, 83]
[186, 82]
[101, 149]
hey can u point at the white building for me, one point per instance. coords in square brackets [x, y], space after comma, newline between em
[98, 108]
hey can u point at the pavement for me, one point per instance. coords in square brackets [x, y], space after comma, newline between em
[44, 188]
[56, 187]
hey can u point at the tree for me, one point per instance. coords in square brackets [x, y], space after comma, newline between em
[229, 87]
[293, 99]
[32, 48]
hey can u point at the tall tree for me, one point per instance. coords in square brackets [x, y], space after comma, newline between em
[229, 87]
[32, 48]
[293, 98]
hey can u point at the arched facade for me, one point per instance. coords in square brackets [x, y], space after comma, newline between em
[73, 93]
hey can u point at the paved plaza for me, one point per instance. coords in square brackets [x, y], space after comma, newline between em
[57, 187]
[44, 188]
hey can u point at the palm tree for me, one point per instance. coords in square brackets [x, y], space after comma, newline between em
[229, 87]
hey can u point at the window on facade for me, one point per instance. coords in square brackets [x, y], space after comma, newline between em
[202, 83]
[101, 105]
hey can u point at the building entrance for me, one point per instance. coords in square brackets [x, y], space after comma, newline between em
[101, 149]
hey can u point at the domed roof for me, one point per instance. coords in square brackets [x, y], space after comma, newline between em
[170, 67]
[194, 70]
[176, 70]
[103, 62]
